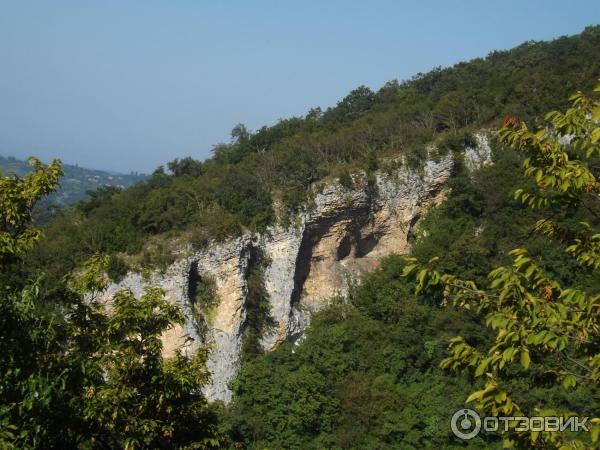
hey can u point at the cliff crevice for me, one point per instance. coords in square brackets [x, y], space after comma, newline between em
[344, 233]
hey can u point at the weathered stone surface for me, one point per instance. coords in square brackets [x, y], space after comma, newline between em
[479, 155]
[227, 265]
[343, 234]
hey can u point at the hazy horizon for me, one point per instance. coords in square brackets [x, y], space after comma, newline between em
[120, 87]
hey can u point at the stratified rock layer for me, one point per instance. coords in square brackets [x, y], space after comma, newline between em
[343, 234]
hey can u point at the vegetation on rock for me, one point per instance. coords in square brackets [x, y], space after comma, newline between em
[76, 373]
[547, 325]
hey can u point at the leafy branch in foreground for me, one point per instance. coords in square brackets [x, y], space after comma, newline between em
[540, 325]
[76, 372]
[18, 196]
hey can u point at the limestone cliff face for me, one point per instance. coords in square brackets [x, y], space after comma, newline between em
[341, 235]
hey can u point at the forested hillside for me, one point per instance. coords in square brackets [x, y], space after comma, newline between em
[266, 175]
[368, 374]
[74, 185]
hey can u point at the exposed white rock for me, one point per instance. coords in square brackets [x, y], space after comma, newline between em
[480, 154]
[227, 265]
[344, 233]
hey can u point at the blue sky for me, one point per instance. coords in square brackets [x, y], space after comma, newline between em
[129, 85]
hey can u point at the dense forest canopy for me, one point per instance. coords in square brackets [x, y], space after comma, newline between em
[368, 373]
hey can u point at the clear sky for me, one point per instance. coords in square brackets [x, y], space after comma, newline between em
[129, 85]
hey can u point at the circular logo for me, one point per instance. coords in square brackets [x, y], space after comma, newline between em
[465, 424]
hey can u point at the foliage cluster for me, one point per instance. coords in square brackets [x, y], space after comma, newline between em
[368, 373]
[546, 325]
[258, 321]
[76, 373]
[203, 297]
[365, 376]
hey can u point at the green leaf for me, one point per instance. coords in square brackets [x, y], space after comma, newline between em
[569, 381]
[474, 396]
[482, 367]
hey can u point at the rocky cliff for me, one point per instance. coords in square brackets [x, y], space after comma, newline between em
[343, 233]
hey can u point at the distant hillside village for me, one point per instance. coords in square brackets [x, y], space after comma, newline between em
[75, 184]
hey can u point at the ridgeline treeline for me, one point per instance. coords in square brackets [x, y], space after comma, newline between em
[265, 175]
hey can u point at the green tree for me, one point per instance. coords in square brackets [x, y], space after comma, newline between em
[75, 373]
[551, 331]
[18, 196]
[130, 396]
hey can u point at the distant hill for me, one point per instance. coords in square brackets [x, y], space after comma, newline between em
[76, 182]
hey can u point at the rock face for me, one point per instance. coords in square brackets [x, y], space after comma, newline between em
[343, 234]
[480, 154]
